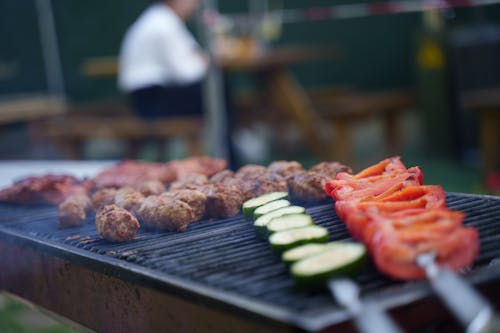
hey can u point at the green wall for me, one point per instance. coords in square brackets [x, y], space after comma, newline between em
[376, 52]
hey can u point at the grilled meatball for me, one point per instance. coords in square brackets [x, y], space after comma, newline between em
[116, 224]
[129, 198]
[285, 168]
[223, 200]
[308, 186]
[73, 211]
[330, 169]
[165, 213]
[103, 197]
[194, 198]
[222, 176]
[151, 187]
[189, 181]
[251, 171]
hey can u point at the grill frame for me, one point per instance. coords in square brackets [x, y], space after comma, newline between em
[388, 298]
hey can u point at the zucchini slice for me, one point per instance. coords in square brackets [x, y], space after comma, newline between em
[269, 207]
[345, 258]
[286, 222]
[284, 240]
[251, 205]
[303, 251]
[260, 224]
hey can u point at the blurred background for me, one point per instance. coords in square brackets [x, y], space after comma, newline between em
[306, 80]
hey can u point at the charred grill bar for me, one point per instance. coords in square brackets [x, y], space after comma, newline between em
[216, 276]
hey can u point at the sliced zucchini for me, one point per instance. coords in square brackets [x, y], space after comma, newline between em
[303, 251]
[260, 224]
[345, 258]
[269, 207]
[289, 222]
[250, 205]
[284, 240]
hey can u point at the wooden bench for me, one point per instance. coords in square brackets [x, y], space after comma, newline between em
[70, 132]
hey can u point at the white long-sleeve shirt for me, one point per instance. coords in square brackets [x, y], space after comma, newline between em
[158, 49]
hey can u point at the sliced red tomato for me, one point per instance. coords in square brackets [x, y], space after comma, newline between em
[397, 258]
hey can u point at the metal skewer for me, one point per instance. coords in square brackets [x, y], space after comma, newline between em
[474, 312]
[368, 316]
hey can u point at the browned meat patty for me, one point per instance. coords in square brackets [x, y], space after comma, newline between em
[73, 211]
[285, 168]
[308, 186]
[251, 171]
[116, 224]
[195, 199]
[151, 187]
[222, 176]
[223, 200]
[189, 181]
[103, 197]
[129, 199]
[330, 169]
[165, 213]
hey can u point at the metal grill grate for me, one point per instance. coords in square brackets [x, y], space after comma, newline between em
[227, 257]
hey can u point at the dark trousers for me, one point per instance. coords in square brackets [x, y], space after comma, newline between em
[157, 101]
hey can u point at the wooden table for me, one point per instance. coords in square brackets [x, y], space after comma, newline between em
[486, 104]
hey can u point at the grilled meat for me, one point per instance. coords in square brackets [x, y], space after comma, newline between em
[116, 224]
[250, 171]
[223, 200]
[151, 187]
[285, 168]
[166, 213]
[103, 197]
[189, 181]
[308, 186]
[330, 169]
[129, 199]
[204, 165]
[195, 199]
[73, 211]
[222, 176]
[49, 189]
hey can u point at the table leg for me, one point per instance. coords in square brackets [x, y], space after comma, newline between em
[342, 141]
[290, 96]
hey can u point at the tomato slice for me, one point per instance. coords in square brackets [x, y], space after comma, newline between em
[397, 258]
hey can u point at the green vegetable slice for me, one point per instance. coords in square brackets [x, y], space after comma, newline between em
[344, 258]
[303, 251]
[251, 205]
[260, 224]
[284, 240]
[290, 221]
[269, 207]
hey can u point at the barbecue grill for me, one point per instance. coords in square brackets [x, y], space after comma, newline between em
[216, 276]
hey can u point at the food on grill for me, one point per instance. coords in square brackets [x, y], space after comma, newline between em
[285, 168]
[398, 219]
[260, 224]
[197, 200]
[254, 186]
[49, 189]
[340, 259]
[303, 251]
[189, 181]
[204, 165]
[129, 199]
[73, 211]
[330, 169]
[286, 222]
[151, 187]
[250, 171]
[103, 197]
[251, 205]
[116, 224]
[308, 186]
[269, 207]
[287, 239]
[222, 176]
[165, 213]
[223, 200]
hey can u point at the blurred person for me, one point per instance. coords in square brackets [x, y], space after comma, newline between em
[161, 65]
